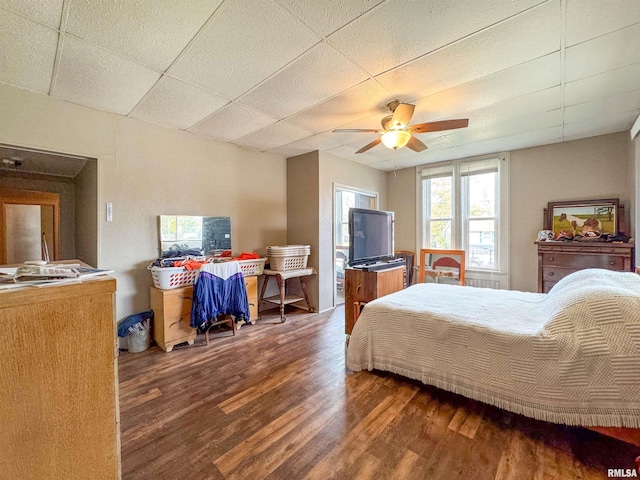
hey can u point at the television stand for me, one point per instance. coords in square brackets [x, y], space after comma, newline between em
[374, 267]
[362, 286]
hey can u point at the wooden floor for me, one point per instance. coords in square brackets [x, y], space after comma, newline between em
[275, 402]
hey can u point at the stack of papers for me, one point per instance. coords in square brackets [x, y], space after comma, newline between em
[46, 274]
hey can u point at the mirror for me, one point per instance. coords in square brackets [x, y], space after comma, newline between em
[209, 235]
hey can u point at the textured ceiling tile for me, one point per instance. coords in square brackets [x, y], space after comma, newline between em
[150, 32]
[603, 107]
[514, 142]
[526, 37]
[47, 13]
[514, 108]
[176, 104]
[361, 101]
[272, 136]
[319, 74]
[327, 16]
[587, 19]
[615, 50]
[27, 53]
[231, 122]
[603, 85]
[616, 122]
[316, 142]
[396, 32]
[534, 76]
[514, 126]
[96, 78]
[246, 42]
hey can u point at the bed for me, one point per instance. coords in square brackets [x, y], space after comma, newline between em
[571, 356]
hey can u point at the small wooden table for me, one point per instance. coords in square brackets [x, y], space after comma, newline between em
[283, 298]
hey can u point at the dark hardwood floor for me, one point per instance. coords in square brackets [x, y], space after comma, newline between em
[275, 402]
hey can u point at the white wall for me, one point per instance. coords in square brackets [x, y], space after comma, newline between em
[147, 170]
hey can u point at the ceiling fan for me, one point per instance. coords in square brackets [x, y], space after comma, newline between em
[396, 131]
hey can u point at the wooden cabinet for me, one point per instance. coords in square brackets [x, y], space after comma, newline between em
[58, 371]
[556, 260]
[361, 286]
[172, 313]
[171, 317]
[251, 283]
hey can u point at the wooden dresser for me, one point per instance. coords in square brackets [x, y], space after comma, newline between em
[58, 371]
[172, 313]
[361, 286]
[558, 259]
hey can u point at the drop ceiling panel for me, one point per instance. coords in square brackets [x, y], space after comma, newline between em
[176, 104]
[273, 136]
[46, 13]
[363, 100]
[327, 16]
[526, 37]
[321, 141]
[606, 84]
[303, 83]
[616, 122]
[514, 126]
[231, 122]
[603, 107]
[245, 42]
[534, 76]
[27, 53]
[587, 19]
[151, 32]
[96, 78]
[397, 32]
[514, 142]
[608, 52]
[514, 108]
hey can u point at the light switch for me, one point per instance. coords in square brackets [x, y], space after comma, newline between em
[109, 212]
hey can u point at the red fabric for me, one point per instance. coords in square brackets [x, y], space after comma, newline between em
[247, 256]
[190, 264]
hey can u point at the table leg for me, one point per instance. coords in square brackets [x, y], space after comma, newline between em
[303, 284]
[262, 290]
[282, 285]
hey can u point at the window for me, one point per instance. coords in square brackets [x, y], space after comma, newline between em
[465, 206]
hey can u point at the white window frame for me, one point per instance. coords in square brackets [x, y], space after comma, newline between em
[498, 277]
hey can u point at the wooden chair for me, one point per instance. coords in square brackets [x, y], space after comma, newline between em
[442, 264]
[220, 320]
[410, 260]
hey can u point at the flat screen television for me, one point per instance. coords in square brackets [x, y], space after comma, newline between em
[370, 236]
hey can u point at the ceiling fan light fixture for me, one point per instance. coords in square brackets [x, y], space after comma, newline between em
[395, 139]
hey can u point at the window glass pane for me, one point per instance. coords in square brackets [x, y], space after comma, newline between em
[440, 201]
[482, 234]
[440, 234]
[482, 194]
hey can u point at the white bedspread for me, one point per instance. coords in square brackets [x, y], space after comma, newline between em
[571, 356]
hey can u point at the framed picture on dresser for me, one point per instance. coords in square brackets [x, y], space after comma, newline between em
[588, 218]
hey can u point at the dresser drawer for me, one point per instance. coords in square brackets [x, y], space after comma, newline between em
[178, 302]
[580, 261]
[553, 274]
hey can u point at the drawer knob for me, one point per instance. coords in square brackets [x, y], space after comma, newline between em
[612, 262]
[551, 274]
[551, 259]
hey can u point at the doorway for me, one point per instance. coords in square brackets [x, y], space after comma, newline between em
[345, 198]
[29, 226]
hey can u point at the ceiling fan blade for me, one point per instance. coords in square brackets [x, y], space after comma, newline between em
[402, 115]
[416, 145]
[370, 145]
[353, 130]
[438, 126]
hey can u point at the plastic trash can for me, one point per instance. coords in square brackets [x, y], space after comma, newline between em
[139, 341]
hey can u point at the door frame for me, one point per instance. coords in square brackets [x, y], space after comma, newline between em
[12, 196]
